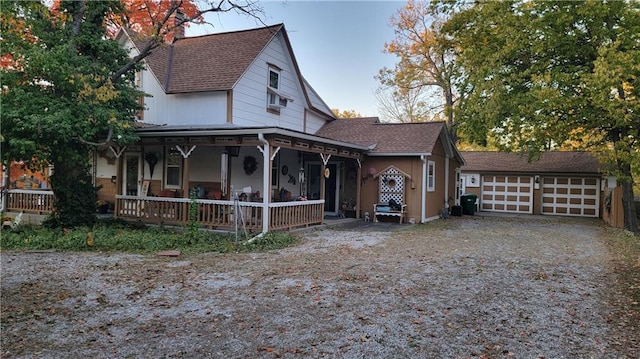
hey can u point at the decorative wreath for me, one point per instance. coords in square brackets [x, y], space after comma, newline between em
[250, 165]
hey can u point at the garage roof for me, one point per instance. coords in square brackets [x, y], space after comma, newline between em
[549, 162]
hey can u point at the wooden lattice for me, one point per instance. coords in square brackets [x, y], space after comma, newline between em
[391, 186]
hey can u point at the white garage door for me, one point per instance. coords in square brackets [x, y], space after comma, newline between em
[512, 194]
[566, 196]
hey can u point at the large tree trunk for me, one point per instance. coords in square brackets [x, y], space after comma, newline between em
[626, 179]
[75, 193]
[630, 216]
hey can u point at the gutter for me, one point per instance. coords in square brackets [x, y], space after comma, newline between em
[446, 184]
[405, 154]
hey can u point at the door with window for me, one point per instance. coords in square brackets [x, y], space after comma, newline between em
[132, 174]
[331, 185]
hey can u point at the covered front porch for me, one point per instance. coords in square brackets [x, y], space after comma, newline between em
[257, 179]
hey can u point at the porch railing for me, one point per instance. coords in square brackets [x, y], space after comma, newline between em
[286, 215]
[29, 201]
[216, 214]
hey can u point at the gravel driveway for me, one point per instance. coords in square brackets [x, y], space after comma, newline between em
[463, 287]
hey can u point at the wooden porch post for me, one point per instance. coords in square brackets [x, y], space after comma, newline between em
[358, 188]
[185, 152]
[323, 179]
[322, 182]
[116, 210]
[185, 178]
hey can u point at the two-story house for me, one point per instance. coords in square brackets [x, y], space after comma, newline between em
[232, 125]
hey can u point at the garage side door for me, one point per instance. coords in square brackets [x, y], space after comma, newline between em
[566, 196]
[512, 194]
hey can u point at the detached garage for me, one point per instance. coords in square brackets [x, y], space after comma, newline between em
[559, 183]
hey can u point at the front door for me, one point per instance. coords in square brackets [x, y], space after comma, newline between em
[132, 174]
[330, 188]
[330, 192]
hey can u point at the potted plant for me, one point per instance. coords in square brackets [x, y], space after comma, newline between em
[102, 206]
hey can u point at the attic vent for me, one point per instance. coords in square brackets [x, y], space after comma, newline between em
[302, 145]
[344, 152]
[282, 141]
[318, 148]
[226, 140]
[332, 150]
[199, 140]
[250, 139]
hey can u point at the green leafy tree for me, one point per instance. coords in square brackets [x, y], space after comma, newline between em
[545, 74]
[67, 87]
[59, 95]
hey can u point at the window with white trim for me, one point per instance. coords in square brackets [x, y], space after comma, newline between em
[173, 169]
[273, 100]
[431, 176]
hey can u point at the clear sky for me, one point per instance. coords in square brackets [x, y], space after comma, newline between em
[338, 44]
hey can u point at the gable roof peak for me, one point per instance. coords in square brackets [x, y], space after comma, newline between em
[211, 62]
[274, 28]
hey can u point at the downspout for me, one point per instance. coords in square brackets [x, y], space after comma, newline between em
[266, 177]
[423, 208]
[446, 183]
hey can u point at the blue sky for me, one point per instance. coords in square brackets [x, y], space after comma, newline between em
[338, 44]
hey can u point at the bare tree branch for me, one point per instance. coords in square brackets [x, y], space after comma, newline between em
[109, 135]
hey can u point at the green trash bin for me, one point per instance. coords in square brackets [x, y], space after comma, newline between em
[468, 202]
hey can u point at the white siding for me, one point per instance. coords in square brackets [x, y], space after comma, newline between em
[250, 93]
[205, 108]
[314, 122]
[239, 178]
[249, 98]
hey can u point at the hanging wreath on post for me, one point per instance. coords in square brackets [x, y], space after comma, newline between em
[250, 165]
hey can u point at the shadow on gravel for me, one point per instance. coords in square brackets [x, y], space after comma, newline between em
[359, 225]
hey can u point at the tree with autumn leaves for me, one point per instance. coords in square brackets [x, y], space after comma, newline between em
[420, 87]
[530, 76]
[67, 86]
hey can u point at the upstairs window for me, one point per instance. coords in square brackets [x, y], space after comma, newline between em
[274, 78]
[275, 101]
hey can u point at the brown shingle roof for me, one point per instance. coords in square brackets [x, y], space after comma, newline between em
[549, 162]
[209, 62]
[387, 137]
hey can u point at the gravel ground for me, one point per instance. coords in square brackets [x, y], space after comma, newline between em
[467, 287]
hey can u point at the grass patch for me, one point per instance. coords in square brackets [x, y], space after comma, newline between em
[114, 235]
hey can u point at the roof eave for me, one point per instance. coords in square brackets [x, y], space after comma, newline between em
[170, 131]
[398, 154]
[533, 172]
[266, 44]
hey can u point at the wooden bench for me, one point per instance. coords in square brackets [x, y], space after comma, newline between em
[385, 210]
